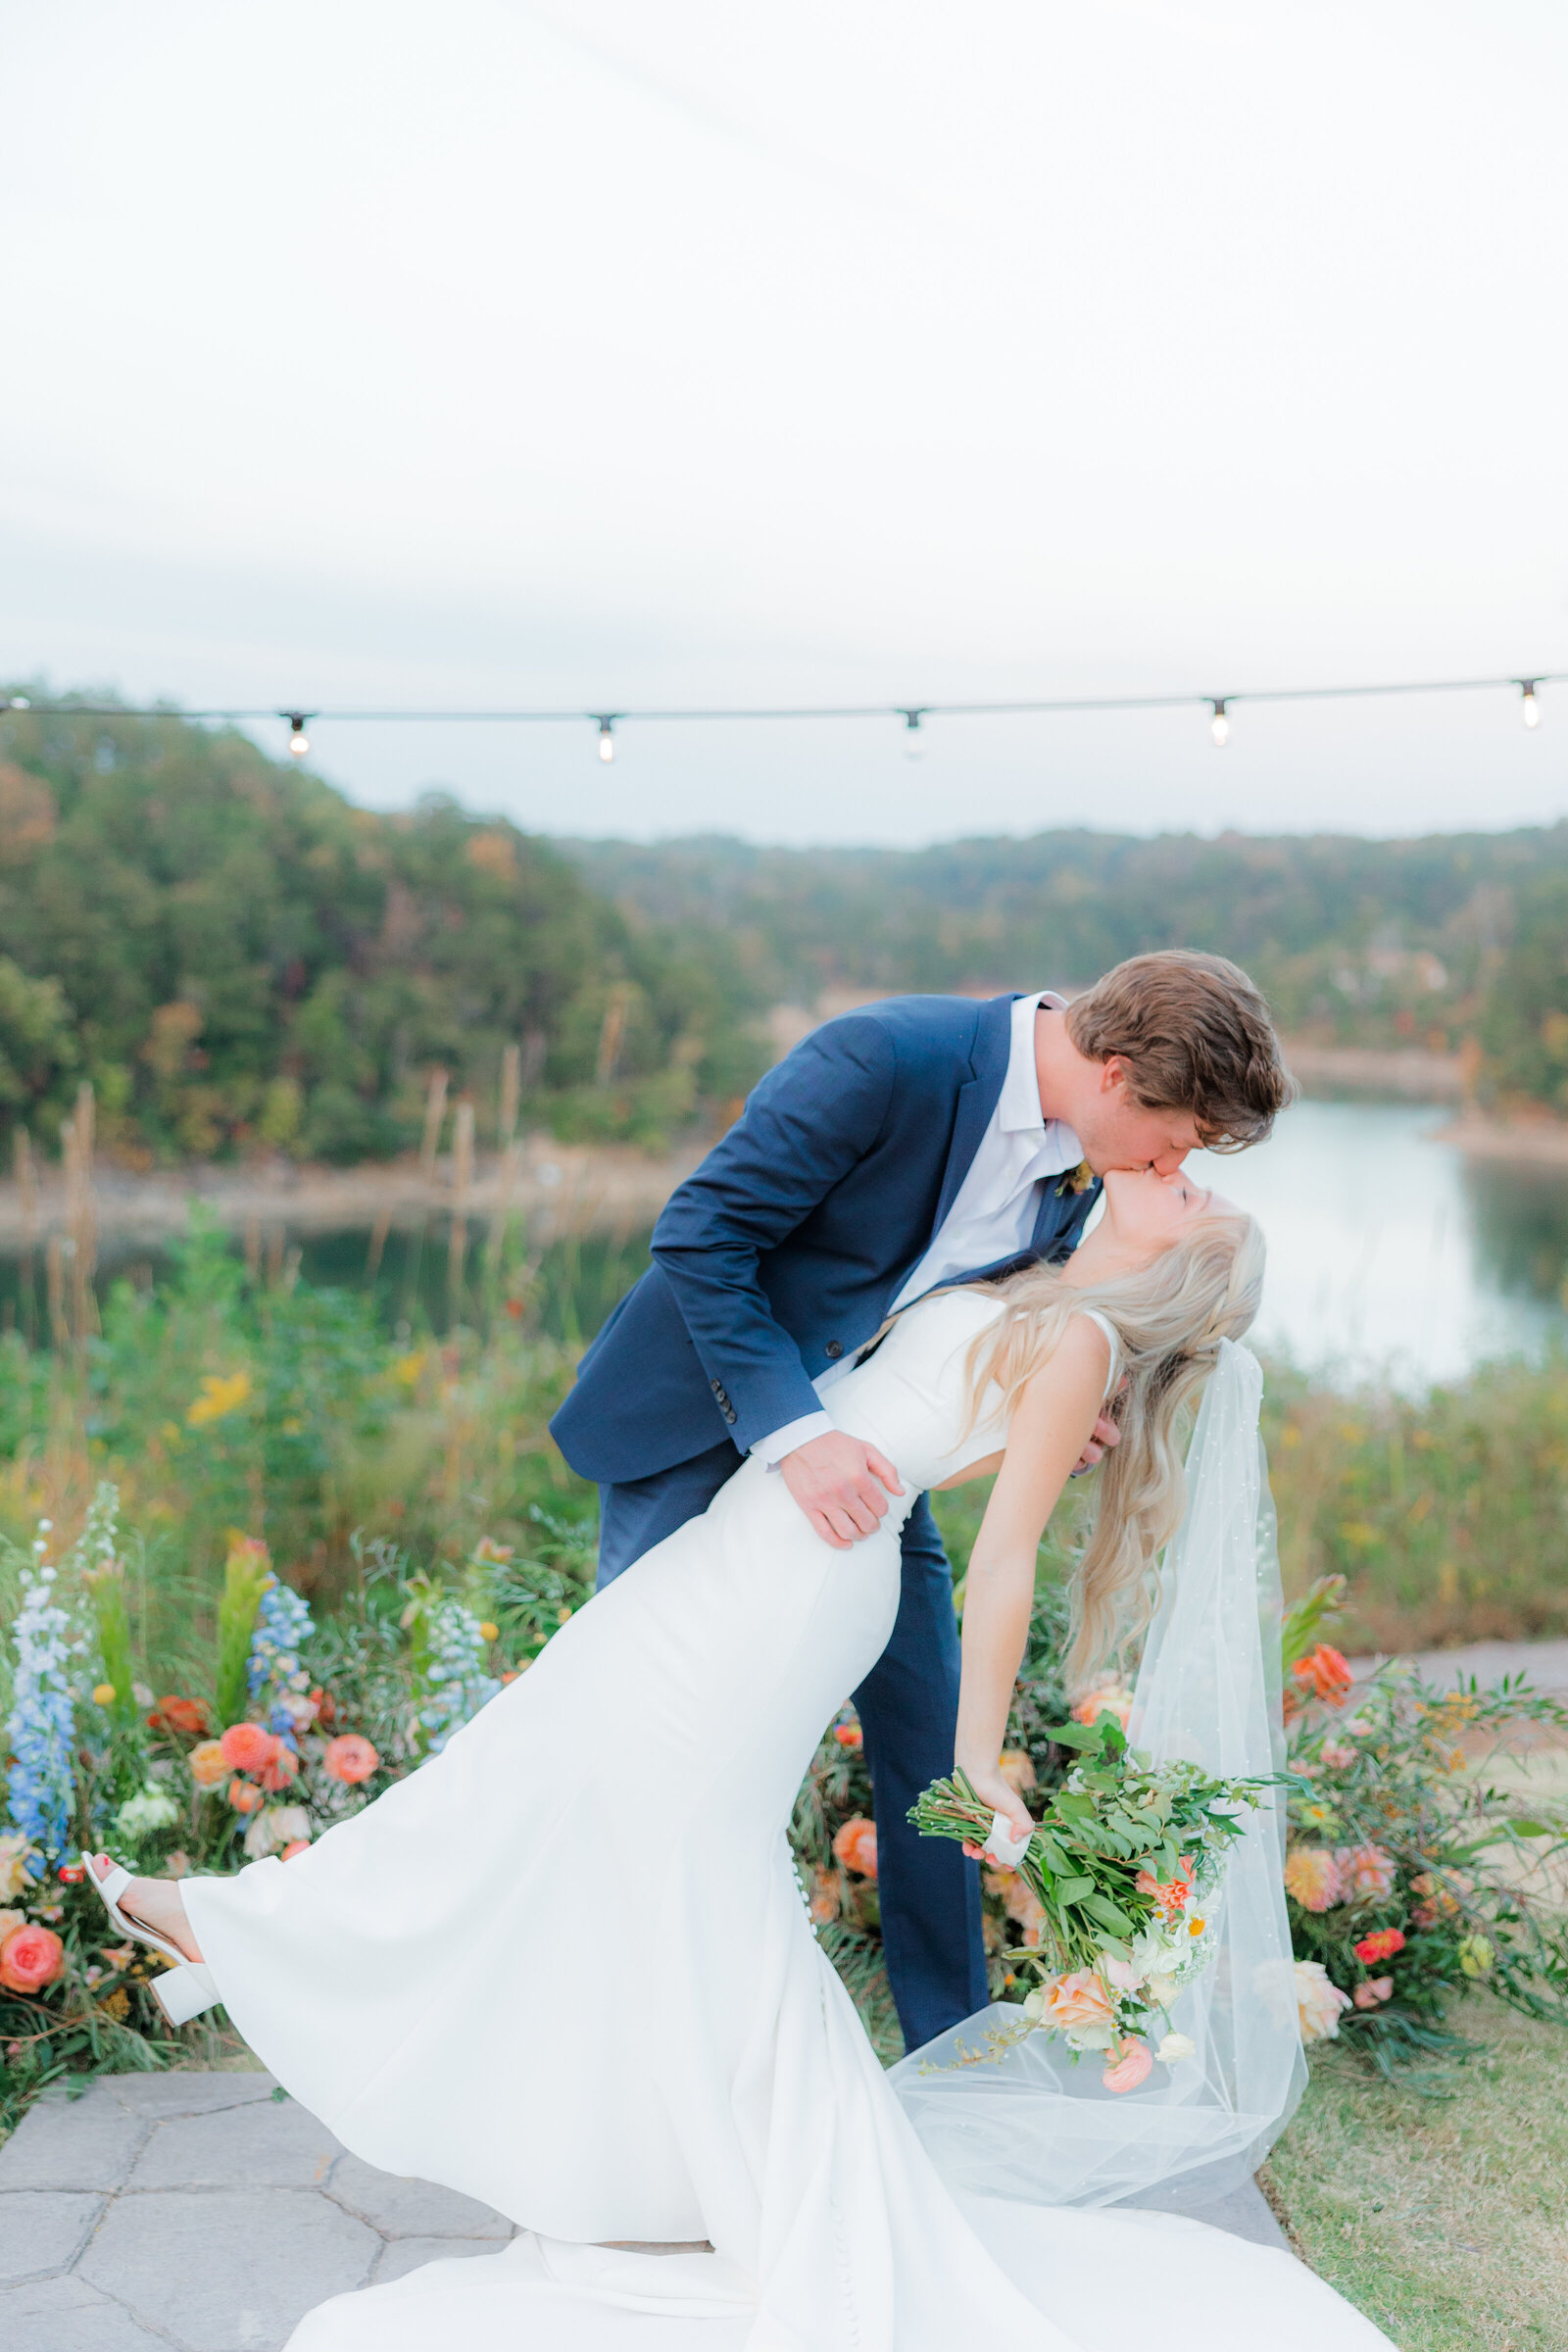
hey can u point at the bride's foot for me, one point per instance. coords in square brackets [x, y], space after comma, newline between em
[153, 1903]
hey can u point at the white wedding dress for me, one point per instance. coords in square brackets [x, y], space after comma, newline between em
[565, 1966]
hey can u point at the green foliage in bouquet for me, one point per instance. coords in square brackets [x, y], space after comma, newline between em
[1126, 1866]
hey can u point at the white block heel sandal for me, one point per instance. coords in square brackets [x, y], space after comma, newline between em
[182, 1991]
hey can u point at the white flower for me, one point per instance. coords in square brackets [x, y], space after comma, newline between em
[150, 1809]
[1160, 1991]
[1174, 2047]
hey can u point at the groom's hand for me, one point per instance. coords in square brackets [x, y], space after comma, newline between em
[835, 1479]
[1101, 1438]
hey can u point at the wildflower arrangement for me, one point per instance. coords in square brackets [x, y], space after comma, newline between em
[1127, 1869]
[1409, 1874]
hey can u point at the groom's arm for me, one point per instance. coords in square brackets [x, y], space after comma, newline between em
[806, 1124]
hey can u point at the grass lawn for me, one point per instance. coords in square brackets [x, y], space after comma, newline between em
[1445, 2221]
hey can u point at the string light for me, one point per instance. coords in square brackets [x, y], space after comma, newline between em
[606, 740]
[1219, 726]
[299, 743]
[913, 740]
[1531, 708]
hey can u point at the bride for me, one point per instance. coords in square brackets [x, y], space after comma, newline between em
[566, 1965]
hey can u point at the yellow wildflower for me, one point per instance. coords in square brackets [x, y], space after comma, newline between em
[103, 1694]
[220, 1396]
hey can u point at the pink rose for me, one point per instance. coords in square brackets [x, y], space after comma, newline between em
[1366, 1874]
[1076, 2002]
[1132, 2062]
[30, 1958]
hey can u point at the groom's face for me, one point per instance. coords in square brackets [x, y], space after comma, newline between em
[1118, 1133]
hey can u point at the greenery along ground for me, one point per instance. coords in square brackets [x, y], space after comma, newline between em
[239, 959]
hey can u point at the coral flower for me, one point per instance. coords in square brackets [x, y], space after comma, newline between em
[207, 1763]
[1373, 1992]
[849, 1735]
[1324, 1674]
[295, 1845]
[1314, 1876]
[247, 1747]
[1111, 1698]
[856, 1847]
[827, 1892]
[1075, 2003]
[176, 1714]
[1381, 1946]
[1366, 1874]
[350, 1757]
[244, 1795]
[1016, 1768]
[281, 1772]
[30, 1958]
[1132, 2062]
[1172, 1895]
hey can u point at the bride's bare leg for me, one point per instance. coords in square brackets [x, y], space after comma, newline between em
[155, 1903]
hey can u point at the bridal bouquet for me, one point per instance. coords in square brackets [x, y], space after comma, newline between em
[1128, 1865]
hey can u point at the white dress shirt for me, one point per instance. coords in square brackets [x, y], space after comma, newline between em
[993, 1210]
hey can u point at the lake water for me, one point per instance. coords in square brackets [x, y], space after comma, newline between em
[1389, 1255]
[1392, 1254]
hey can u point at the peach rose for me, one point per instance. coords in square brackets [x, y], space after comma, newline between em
[1132, 2062]
[827, 1895]
[1016, 1768]
[30, 1958]
[1076, 2003]
[1320, 2003]
[350, 1757]
[207, 1763]
[1373, 1992]
[247, 1747]
[1314, 1876]
[1024, 1906]
[856, 1847]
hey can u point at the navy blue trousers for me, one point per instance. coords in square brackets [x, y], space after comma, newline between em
[909, 1706]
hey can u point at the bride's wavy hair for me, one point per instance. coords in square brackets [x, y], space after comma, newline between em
[1171, 1316]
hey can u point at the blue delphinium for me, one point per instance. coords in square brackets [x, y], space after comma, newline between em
[40, 1726]
[456, 1683]
[274, 1672]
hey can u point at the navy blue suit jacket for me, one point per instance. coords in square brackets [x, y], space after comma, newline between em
[785, 1250]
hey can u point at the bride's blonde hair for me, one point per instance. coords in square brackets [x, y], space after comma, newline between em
[1170, 1317]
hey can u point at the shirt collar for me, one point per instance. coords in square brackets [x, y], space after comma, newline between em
[1018, 1109]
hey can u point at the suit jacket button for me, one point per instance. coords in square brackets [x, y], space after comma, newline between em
[730, 1414]
[717, 1391]
[835, 1348]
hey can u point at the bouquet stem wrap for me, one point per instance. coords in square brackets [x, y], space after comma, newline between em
[1037, 2127]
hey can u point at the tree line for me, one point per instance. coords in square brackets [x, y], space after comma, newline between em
[239, 959]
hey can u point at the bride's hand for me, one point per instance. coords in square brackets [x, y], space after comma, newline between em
[992, 1790]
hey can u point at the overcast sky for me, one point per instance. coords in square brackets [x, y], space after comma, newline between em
[600, 352]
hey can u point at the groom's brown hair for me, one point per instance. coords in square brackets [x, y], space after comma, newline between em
[1196, 1035]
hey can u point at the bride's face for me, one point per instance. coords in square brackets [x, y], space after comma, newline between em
[1145, 1213]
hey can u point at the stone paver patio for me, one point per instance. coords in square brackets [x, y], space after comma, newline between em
[204, 2212]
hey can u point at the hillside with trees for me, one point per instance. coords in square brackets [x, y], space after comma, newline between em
[239, 959]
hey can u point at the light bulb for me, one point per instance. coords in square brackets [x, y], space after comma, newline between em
[299, 743]
[1220, 727]
[1532, 708]
[913, 740]
[607, 741]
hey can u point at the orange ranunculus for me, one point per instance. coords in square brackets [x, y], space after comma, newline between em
[350, 1757]
[856, 1847]
[325, 1708]
[247, 1747]
[1314, 1876]
[1016, 1767]
[244, 1795]
[207, 1763]
[176, 1714]
[1381, 1944]
[295, 1845]
[849, 1735]
[1131, 2063]
[827, 1895]
[281, 1772]
[1325, 1675]
[1075, 2003]
[30, 1958]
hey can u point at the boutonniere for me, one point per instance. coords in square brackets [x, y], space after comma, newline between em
[1076, 1180]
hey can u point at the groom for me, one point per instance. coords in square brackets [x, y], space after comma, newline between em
[923, 1140]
